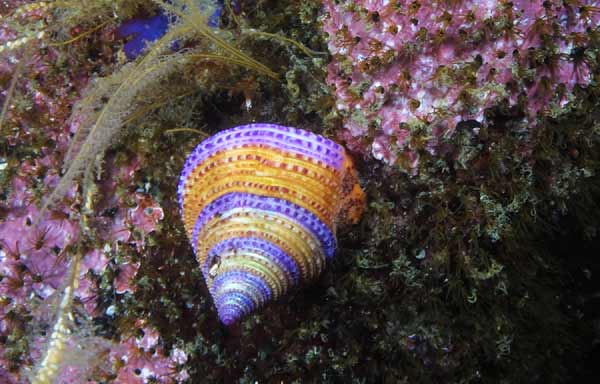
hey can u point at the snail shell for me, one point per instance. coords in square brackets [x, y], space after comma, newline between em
[261, 204]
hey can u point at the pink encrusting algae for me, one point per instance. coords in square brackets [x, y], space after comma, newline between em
[400, 65]
[36, 250]
[144, 360]
[34, 259]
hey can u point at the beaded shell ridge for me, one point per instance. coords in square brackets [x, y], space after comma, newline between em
[261, 204]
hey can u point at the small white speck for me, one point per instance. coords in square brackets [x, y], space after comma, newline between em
[377, 151]
[390, 43]
[146, 373]
[110, 311]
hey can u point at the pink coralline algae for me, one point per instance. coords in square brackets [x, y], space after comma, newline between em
[143, 360]
[401, 67]
[36, 249]
[34, 259]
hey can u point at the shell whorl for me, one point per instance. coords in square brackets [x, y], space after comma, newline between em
[260, 204]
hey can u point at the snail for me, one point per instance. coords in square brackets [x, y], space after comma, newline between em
[261, 204]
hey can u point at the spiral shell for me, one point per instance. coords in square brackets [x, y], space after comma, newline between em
[260, 204]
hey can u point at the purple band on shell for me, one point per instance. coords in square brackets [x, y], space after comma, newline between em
[233, 303]
[243, 277]
[285, 138]
[268, 204]
[261, 246]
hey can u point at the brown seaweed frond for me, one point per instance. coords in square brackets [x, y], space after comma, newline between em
[10, 92]
[145, 109]
[70, 341]
[217, 57]
[108, 103]
[81, 35]
[193, 17]
[112, 102]
[282, 39]
[47, 369]
[204, 135]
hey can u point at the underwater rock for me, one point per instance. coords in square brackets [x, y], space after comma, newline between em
[260, 205]
[400, 67]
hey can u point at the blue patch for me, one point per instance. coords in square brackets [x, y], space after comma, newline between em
[148, 29]
[215, 18]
